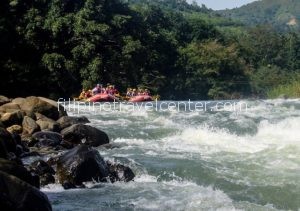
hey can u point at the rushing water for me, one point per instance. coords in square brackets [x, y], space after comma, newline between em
[226, 160]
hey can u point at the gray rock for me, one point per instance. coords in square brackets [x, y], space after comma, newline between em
[47, 138]
[119, 172]
[86, 134]
[67, 121]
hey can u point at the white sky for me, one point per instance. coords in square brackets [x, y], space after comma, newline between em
[222, 4]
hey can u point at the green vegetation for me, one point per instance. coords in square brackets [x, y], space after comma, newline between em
[284, 15]
[181, 51]
[290, 90]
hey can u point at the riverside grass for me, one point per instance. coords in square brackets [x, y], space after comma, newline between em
[291, 90]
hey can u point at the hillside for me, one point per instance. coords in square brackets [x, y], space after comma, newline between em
[282, 14]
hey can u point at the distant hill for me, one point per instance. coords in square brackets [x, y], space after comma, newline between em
[173, 5]
[282, 14]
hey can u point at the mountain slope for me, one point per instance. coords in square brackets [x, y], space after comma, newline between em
[282, 14]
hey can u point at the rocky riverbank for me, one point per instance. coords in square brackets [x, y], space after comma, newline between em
[63, 148]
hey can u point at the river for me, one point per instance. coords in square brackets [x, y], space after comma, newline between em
[218, 159]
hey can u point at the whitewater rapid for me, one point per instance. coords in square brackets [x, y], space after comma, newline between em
[210, 160]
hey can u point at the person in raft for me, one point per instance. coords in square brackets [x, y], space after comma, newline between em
[110, 89]
[82, 95]
[97, 89]
[146, 92]
[140, 92]
[85, 94]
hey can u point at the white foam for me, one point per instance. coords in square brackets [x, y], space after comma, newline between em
[179, 195]
[52, 188]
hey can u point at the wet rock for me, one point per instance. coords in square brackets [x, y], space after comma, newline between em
[47, 138]
[52, 161]
[44, 170]
[47, 179]
[46, 123]
[85, 134]
[15, 129]
[19, 171]
[29, 141]
[41, 167]
[30, 126]
[14, 118]
[4, 100]
[18, 195]
[8, 141]
[67, 145]
[67, 185]
[81, 164]
[9, 107]
[119, 172]
[43, 106]
[67, 121]
[30, 154]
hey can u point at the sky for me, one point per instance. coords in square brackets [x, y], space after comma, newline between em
[222, 4]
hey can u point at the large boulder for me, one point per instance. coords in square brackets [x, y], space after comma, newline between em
[19, 171]
[29, 126]
[7, 140]
[4, 100]
[9, 107]
[46, 123]
[44, 106]
[15, 129]
[86, 134]
[44, 170]
[47, 139]
[67, 121]
[81, 164]
[16, 194]
[13, 118]
[18, 100]
[61, 110]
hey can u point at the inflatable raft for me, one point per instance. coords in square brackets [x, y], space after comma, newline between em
[141, 98]
[103, 98]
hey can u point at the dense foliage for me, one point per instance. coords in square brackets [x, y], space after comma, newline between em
[56, 47]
